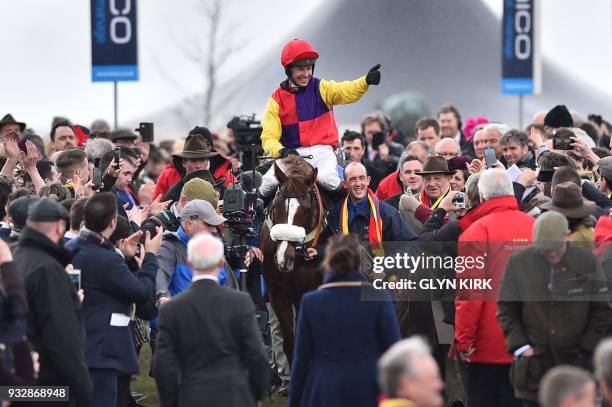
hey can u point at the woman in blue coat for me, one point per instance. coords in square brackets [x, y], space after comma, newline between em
[339, 336]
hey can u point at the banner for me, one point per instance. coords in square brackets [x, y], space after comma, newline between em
[521, 60]
[114, 45]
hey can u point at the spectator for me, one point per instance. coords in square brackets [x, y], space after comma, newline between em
[77, 214]
[126, 198]
[412, 184]
[123, 138]
[436, 182]
[100, 126]
[381, 152]
[446, 148]
[568, 200]
[556, 316]
[568, 386]
[195, 188]
[73, 166]
[174, 274]
[97, 148]
[450, 127]
[602, 362]
[330, 344]
[409, 376]
[174, 193]
[515, 149]
[458, 179]
[18, 211]
[478, 336]
[558, 117]
[362, 213]
[605, 173]
[479, 141]
[54, 307]
[354, 146]
[10, 126]
[196, 154]
[428, 131]
[62, 136]
[54, 190]
[209, 340]
[110, 290]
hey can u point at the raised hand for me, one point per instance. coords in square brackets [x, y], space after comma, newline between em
[373, 75]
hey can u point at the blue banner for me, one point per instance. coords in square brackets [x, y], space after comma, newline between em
[114, 40]
[520, 48]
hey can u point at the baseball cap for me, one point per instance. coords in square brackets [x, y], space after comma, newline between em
[550, 231]
[199, 208]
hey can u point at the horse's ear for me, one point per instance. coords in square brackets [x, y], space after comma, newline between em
[280, 175]
[313, 176]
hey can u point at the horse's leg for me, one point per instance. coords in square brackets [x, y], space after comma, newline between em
[281, 303]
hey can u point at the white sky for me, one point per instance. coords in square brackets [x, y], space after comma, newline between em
[46, 52]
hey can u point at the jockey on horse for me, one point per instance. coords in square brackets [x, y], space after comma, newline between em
[299, 117]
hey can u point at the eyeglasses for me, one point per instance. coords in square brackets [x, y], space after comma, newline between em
[446, 155]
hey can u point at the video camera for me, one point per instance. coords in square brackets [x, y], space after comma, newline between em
[241, 207]
[247, 135]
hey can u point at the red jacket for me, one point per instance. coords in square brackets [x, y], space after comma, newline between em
[389, 186]
[603, 234]
[166, 180]
[496, 227]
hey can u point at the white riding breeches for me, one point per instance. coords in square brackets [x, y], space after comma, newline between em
[323, 158]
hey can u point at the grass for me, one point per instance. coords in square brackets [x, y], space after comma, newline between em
[146, 385]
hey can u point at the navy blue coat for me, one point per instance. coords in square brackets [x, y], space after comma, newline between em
[393, 226]
[110, 287]
[339, 339]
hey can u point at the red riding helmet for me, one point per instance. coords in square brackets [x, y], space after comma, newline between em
[296, 50]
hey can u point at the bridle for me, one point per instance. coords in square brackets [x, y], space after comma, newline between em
[312, 236]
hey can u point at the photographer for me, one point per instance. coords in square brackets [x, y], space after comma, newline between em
[383, 153]
[174, 275]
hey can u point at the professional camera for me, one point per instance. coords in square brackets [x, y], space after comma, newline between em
[241, 207]
[247, 135]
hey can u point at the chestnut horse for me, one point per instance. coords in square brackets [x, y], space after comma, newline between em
[295, 221]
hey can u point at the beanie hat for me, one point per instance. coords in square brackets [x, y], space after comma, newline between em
[559, 116]
[550, 231]
[197, 188]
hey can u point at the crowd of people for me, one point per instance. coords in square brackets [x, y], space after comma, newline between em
[110, 241]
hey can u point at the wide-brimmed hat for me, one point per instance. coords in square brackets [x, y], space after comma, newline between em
[436, 165]
[9, 119]
[568, 200]
[198, 144]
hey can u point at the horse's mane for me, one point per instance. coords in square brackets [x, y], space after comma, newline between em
[297, 167]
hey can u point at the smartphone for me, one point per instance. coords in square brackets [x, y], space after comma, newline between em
[377, 139]
[146, 131]
[117, 155]
[75, 277]
[459, 200]
[490, 157]
[96, 179]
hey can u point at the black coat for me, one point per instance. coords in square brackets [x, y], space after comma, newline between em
[209, 349]
[55, 324]
[551, 314]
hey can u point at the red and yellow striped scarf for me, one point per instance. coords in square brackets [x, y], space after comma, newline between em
[375, 229]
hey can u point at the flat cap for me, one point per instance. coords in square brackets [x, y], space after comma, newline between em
[47, 210]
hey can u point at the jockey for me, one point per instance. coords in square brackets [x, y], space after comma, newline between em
[299, 117]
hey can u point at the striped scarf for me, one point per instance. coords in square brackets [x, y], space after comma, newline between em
[375, 229]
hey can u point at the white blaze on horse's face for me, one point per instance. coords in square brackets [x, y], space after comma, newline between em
[292, 206]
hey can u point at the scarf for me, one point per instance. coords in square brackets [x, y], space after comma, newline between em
[424, 199]
[96, 238]
[375, 229]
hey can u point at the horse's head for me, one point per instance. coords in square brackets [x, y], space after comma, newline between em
[294, 210]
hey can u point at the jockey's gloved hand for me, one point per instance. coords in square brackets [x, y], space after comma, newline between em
[284, 152]
[373, 75]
